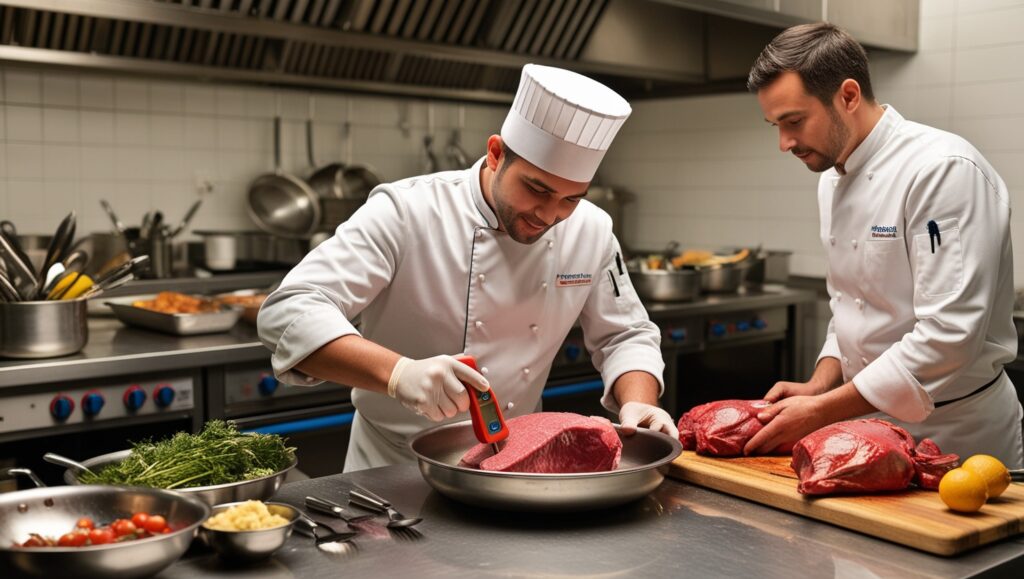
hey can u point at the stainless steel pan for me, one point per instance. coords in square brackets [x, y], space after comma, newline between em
[282, 204]
[645, 461]
[257, 489]
[54, 511]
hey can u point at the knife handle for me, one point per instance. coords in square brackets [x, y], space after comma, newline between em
[331, 508]
[367, 500]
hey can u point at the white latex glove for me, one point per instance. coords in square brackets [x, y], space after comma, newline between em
[638, 414]
[433, 387]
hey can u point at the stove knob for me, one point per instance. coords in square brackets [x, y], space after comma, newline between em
[718, 329]
[760, 324]
[92, 403]
[268, 385]
[61, 407]
[163, 396]
[743, 326]
[572, 352]
[134, 398]
[677, 335]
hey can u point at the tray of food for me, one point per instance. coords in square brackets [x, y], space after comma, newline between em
[176, 313]
[248, 300]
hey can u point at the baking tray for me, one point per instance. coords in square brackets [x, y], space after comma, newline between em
[176, 324]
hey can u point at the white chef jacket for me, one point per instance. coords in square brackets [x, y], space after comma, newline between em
[912, 326]
[425, 266]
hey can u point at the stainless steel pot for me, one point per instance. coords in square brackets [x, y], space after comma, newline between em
[256, 489]
[666, 286]
[282, 204]
[43, 329]
[226, 250]
[54, 511]
[645, 460]
[721, 278]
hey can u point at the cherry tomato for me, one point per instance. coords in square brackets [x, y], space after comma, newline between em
[166, 530]
[139, 520]
[85, 523]
[101, 536]
[122, 527]
[35, 541]
[73, 539]
[156, 524]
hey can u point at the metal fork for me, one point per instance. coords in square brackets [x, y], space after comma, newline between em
[367, 500]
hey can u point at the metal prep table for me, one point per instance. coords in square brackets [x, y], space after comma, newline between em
[678, 531]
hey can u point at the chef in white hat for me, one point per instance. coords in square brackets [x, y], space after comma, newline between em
[498, 261]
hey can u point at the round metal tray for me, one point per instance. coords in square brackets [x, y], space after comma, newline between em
[645, 460]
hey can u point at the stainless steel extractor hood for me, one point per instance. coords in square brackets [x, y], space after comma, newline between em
[459, 49]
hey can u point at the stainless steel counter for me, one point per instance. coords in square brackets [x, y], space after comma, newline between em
[678, 531]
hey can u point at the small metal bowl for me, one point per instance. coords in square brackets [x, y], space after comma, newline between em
[248, 546]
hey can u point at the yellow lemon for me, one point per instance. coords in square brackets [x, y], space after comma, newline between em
[989, 468]
[963, 490]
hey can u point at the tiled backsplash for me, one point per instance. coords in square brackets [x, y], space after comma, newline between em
[69, 139]
[708, 170]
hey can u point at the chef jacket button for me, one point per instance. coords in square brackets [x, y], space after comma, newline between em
[526, 371]
[543, 285]
[551, 245]
[846, 361]
[870, 176]
[864, 361]
[832, 240]
[484, 370]
[481, 277]
[859, 302]
[509, 406]
[534, 328]
[479, 232]
[839, 295]
[854, 243]
[479, 324]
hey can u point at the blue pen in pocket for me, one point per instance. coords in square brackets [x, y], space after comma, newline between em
[933, 234]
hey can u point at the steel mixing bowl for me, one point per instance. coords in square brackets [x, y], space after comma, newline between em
[53, 511]
[248, 546]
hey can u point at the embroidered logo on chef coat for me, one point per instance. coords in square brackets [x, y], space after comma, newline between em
[884, 231]
[573, 279]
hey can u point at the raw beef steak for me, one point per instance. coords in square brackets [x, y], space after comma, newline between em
[551, 442]
[867, 455]
[721, 428]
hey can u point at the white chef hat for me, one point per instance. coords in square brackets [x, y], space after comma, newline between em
[563, 122]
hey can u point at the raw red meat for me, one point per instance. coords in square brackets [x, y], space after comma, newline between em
[551, 442]
[721, 428]
[867, 455]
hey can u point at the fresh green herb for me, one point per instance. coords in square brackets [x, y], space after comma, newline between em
[219, 454]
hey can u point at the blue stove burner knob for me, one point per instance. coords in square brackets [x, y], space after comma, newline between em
[92, 403]
[572, 352]
[134, 398]
[677, 335]
[760, 324]
[743, 326]
[163, 396]
[61, 407]
[718, 329]
[268, 385]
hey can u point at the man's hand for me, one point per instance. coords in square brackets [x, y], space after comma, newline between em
[782, 390]
[637, 414]
[786, 422]
[433, 387]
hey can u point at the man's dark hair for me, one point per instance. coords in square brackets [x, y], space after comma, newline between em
[823, 54]
[509, 156]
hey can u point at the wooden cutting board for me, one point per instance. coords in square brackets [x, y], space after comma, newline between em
[915, 518]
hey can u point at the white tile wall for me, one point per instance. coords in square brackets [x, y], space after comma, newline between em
[69, 139]
[707, 170]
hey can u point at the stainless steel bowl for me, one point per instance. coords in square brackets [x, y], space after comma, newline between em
[250, 545]
[645, 460]
[43, 329]
[256, 489]
[53, 511]
[666, 286]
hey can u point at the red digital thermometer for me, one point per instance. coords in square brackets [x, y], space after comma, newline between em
[488, 423]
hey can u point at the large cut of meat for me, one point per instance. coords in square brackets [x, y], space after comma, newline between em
[721, 428]
[551, 442]
[866, 456]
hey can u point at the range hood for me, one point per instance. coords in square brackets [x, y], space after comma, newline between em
[458, 49]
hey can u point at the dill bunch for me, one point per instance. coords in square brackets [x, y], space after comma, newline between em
[219, 454]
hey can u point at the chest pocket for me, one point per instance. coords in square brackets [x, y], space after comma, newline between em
[939, 272]
[883, 257]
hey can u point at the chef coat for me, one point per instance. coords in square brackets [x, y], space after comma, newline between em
[916, 226]
[427, 270]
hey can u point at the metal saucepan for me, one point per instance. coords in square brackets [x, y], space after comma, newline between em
[43, 329]
[283, 204]
[259, 489]
[665, 286]
[645, 461]
[721, 278]
[54, 511]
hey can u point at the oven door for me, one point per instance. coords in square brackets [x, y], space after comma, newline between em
[320, 436]
[740, 371]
